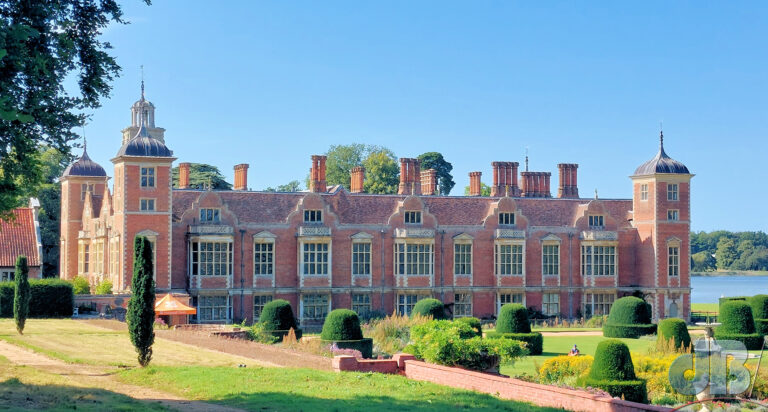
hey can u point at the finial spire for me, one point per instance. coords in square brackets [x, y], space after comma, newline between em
[595, 194]
[506, 190]
[85, 141]
[526, 158]
[142, 82]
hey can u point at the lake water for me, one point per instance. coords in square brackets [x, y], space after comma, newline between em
[710, 289]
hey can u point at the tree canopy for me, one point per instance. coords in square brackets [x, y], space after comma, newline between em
[382, 173]
[435, 160]
[200, 175]
[485, 190]
[292, 186]
[42, 43]
[726, 250]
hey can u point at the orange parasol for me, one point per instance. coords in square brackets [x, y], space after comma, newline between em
[169, 305]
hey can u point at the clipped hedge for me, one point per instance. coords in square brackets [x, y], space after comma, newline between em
[277, 318]
[49, 298]
[676, 330]
[474, 323]
[513, 318]
[430, 307]
[759, 305]
[738, 324]
[630, 317]
[364, 345]
[341, 324]
[534, 341]
[613, 372]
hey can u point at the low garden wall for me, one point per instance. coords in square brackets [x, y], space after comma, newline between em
[100, 302]
[503, 387]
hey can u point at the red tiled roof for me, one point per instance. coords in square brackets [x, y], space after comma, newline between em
[274, 207]
[18, 237]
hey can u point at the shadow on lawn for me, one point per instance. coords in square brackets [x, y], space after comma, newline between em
[285, 401]
[18, 396]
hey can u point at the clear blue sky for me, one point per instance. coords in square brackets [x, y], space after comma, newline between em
[271, 83]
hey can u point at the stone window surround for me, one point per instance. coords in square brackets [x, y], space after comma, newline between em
[505, 242]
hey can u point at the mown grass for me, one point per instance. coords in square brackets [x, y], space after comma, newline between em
[75, 341]
[561, 345]
[285, 389]
[23, 389]
[705, 307]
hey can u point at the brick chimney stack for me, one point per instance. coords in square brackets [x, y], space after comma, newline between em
[504, 179]
[241, 177]
[475, 185]
[317, 182]
[568, 186]
[357, 178]
[184, 175]
[535, 184]
[428, 182]
[410, 176]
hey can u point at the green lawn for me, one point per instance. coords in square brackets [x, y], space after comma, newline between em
[704, 307]
[560, 345]
[273, 389]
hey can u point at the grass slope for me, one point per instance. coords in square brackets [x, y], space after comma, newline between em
[285, 389]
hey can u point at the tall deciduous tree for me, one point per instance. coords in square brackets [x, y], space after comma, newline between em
[21, 294]
[201, 175]
[141, 307]
[292, 186]
[435, 160]
[726, 253]
[42, 43]
[382, 173]
[485, 190]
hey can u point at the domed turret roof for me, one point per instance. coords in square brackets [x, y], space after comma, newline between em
[144, 145]
[661, 163]
[84, 166]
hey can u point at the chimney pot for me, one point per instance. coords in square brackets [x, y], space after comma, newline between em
[184, 175]
[475, 184]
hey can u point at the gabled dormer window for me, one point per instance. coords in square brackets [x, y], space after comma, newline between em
[210, 215]
[413, 217]
[313, 216]
[506, 219]
[596, 221]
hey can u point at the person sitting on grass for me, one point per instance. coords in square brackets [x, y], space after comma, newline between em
[574, 351]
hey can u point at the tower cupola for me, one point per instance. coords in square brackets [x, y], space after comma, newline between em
[84, 166]
[661, 163]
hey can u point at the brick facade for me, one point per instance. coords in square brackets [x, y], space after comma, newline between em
[232, 251]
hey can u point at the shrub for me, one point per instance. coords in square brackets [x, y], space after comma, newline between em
[654, 370]
[49, 298]
[596, 321]
[613, 372]
[21, 295]
[534, 341]
[393, 333]
[513, 318]
[341, 324]
[141, 308]
[104, 288]
[474, 323]
[759, 305]
[81, 286]
[277, 318]
[630, 317]
[257, 333]
[455, 344]
[738, 324]
[674, 329]
[430, 307]
[564, 369]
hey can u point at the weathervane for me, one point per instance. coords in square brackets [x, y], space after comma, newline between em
[142, 82]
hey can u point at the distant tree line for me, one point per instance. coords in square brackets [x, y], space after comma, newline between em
[724, 250]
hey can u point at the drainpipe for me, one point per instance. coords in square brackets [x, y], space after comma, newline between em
[382, 274]
[242, 269]
[442, 264]
[570, 275]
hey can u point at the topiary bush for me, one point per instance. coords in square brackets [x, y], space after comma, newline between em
[759, 305]
[277, 318]
[738, 324]
[534, 341]
[342, 327]
[612, 371]
[630, 317]
[430, 307]
[513, 318]
[49, 298]
[674, 329]
[474, 323]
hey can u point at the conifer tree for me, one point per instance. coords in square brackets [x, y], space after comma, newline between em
[21, 295]
[141, 307]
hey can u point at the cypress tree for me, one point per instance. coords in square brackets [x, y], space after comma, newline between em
[21, 295]
[141, 307]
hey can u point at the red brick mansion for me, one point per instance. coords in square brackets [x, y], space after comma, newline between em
[233, 251]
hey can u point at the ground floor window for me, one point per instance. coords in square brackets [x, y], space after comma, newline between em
[550, 304]
[361, 303]
[405, 303]
[504, 298]
[314, 307]
[258, 304]
[6, 275]
[598, 304]
[462, 305]
[213, 308]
